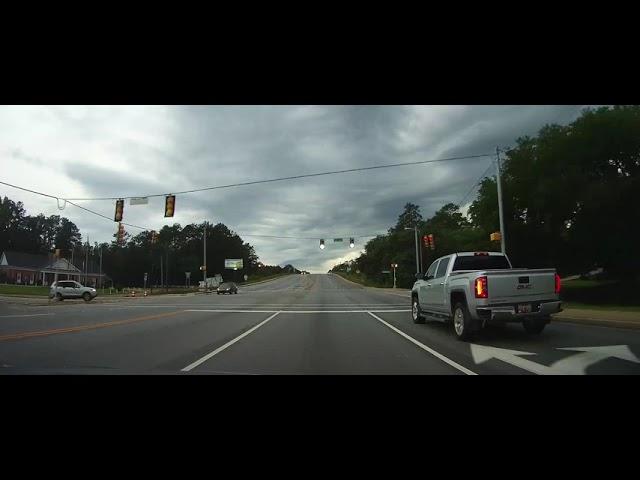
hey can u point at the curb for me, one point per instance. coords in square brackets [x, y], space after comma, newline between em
[597, 322]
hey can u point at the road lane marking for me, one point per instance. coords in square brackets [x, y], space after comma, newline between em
[424, 347]
[80, 328]
[31, 315]
[226, 345]
[296, 311]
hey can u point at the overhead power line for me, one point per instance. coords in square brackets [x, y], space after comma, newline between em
[476, 183]
[69, 201]
[149, 229]
[293, 177]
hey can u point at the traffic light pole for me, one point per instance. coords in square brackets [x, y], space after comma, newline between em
[500, 212]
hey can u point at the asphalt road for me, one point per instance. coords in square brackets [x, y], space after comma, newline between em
[300, 324]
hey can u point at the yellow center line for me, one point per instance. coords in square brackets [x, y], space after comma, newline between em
[42, 333]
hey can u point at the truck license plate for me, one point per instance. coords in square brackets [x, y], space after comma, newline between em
[524, 308]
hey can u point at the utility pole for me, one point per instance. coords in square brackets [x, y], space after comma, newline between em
[415, 229]
[73, 249]
[417, 250]
[500, 212]
[86, 265]
[100, 277]
[204, 271]
[161, 273]
[166, 272]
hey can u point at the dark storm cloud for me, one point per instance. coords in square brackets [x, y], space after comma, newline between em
[199, 146]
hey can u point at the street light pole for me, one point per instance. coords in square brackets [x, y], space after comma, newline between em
[500, 212]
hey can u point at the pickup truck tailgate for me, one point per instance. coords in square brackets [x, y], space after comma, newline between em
[518, 285]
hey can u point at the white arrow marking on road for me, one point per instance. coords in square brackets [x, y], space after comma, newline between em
[482, 353]
[578, 364]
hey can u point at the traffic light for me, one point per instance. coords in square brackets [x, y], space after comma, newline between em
[322, 244]
[119, 210]
[432, 244]
[352, 243]
[169, 205]
[425, 241]
[495, 237]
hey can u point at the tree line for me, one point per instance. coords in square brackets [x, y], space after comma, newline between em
[177, 249]
[569, 196]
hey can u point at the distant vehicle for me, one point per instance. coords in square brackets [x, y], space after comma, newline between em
[71, 289]
[227, 287]
[473, 289]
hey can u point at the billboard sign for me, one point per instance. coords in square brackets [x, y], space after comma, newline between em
[233, 263]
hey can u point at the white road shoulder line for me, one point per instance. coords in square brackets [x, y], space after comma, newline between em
[30, 315]
[226, 345]
[424, 347]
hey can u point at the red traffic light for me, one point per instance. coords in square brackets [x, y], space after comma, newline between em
[431, 241]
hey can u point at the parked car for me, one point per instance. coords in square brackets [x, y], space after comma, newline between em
[71, 289]
[227, 287]
[473, 289]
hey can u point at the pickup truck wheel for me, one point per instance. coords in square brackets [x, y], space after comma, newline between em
[462, 321]
[415, 311]
[534, 325]
[86, 296]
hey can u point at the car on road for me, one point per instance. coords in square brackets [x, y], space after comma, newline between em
[227, 287]
[473, 289]
[71, 289]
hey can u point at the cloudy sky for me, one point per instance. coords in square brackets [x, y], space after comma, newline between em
[97, 151]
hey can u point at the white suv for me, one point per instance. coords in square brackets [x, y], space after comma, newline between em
[70, 289]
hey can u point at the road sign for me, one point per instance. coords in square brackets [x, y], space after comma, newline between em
[386, 271]
[246, 277]
[337, 240]
[187, 274]
[139, 201]
[233, 263]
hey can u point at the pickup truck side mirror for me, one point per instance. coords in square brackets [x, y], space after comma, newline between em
[419, 276]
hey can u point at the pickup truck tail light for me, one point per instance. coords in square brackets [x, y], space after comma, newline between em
[558, 284]
[481, 288]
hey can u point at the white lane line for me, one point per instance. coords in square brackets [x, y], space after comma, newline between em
[31, 315]
[424, 347]
[296, 311]
[226, 345]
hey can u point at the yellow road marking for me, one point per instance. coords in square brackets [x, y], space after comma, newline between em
[43, 333]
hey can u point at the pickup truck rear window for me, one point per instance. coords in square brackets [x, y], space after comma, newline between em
[481, 262]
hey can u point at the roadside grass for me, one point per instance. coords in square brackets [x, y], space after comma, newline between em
[601, 294]
[24, 290]
[362, 280]
[40, 291]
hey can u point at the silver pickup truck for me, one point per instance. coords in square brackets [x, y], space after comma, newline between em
[473, 289]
